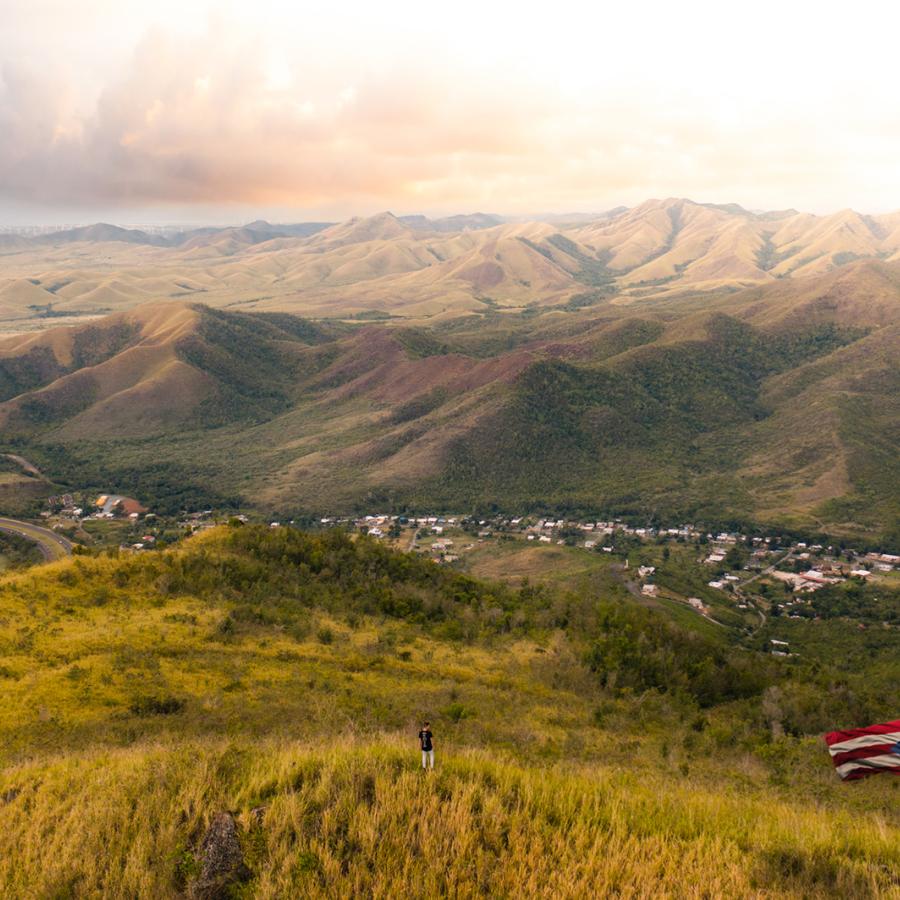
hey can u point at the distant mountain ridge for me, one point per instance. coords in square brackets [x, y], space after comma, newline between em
[259, 230]
[435, 269]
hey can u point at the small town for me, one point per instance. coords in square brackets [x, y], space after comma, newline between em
[821, 565]
[755, 576]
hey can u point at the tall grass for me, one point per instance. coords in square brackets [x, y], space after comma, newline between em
[358, 818]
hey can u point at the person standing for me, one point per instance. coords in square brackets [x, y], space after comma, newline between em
[426, 742]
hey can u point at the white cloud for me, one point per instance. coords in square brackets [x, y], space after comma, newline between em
[368, 106]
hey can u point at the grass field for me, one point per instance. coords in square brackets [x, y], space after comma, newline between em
[516, 560]
[354, 817]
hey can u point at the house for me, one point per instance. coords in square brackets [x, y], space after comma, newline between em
[697, 603]
[817, 578]
[109, 505]
[645, 571]
[544, 539]
[649, 590]
[719, 585]
[589, 545]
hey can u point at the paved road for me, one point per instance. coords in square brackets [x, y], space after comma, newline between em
[769, 569]
[51, 544]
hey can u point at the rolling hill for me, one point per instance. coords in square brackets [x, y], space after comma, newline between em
[429, 270]
[776, 404]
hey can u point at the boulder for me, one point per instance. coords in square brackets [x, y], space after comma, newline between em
[221, 859]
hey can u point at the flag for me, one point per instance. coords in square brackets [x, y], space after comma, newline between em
[858, 752]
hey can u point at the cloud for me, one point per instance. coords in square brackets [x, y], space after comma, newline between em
[203, 122]
[220, 117]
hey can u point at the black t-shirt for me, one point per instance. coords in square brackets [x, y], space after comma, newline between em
[425, 739]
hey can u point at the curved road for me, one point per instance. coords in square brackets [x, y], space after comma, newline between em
[51, 544]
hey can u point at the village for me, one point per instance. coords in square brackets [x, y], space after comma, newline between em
[754, 576]
[733, 574]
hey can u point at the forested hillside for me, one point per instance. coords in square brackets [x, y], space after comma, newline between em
[776, 408]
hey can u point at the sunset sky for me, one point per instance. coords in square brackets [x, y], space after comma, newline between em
[189, 112]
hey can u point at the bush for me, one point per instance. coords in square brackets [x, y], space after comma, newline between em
[157, 706]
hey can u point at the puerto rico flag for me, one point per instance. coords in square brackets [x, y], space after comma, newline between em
[858, 752]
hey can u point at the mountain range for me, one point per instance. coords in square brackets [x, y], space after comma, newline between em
[777, 403]
[427, 270]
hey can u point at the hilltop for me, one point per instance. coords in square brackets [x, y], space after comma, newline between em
[278, 677]
[434, 269]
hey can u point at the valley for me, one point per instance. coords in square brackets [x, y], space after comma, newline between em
[612, 503]
[449, 452]
[771, 405]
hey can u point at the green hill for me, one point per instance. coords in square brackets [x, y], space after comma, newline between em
[583, 743]
[775, 406]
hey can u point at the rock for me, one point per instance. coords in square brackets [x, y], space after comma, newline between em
[221, 859]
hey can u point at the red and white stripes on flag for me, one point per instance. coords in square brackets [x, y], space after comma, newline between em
[858, 752]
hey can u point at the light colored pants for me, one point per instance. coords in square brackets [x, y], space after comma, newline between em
[426, 756]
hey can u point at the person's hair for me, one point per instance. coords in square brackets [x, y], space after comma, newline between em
[426, 723]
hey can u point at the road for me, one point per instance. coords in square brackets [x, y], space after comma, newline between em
[738, 591]
[769, 569]
[52, 545]
[634, 589]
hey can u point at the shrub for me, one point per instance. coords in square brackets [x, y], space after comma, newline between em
[157, 706]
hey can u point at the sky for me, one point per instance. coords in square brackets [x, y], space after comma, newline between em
[189, 112]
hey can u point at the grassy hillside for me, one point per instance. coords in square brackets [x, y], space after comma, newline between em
[354, 817]
[17, 553]
[582, 742]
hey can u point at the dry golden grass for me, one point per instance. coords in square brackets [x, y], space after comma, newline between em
[303, 727]
[358, 818]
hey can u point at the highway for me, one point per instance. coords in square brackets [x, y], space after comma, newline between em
[52, 545]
